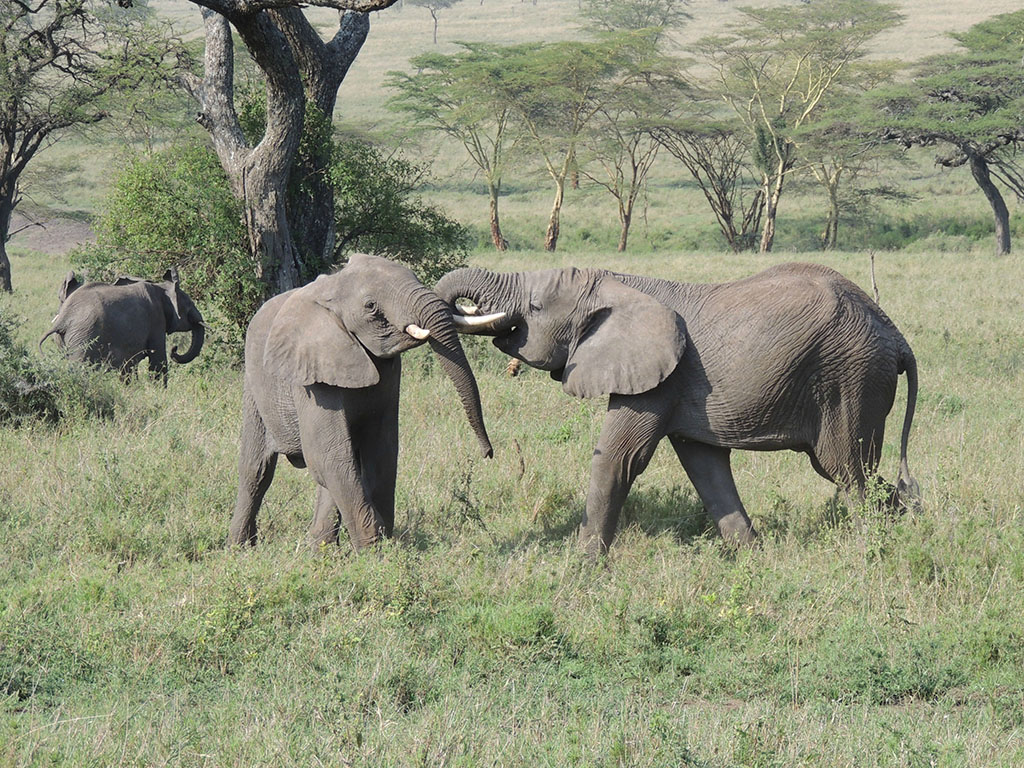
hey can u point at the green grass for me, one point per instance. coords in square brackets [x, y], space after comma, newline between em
[480, 636]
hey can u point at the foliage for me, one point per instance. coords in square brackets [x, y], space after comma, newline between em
[61, 61]
[776, 68]
[456, 95]
[377, 210]
[174, 208]
[618, 15]
[969, 102]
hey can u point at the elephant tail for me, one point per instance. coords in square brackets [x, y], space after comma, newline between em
[908, 492]
[48, 334]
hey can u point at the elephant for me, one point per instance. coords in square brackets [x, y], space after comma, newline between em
[321, 387]
[119, 324]
[795, 357]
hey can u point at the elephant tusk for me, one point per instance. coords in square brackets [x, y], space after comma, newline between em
[416, 332]
[467, 309]
[473, 324]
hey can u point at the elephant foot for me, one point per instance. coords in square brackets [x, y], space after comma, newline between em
[736, 530]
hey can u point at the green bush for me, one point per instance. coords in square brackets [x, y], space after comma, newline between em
[175, 208]
[376, 210]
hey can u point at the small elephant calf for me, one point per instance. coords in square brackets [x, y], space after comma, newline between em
[119, 324]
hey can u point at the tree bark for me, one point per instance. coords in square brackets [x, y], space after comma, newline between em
[298, 66]
[496, 237]
[771, 208]
[310, 200]
[551, 236]
[8, 198]
[979, 169]
[625, 218]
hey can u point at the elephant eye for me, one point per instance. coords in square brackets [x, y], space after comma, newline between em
[370, 306]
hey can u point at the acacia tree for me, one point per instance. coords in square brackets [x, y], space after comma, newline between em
[456, 95]
[434, 7]
[618, 142]
[555, 89]
[969, 101]
[60, 62]
[775, 68]
[718, 158]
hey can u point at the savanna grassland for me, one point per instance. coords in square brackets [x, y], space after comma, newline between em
[479, 636]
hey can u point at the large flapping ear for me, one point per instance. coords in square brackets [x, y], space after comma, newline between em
[628, 344]
[309, 344]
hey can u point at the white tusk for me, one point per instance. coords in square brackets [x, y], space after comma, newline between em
[467, 309]
[416, 332]
[477, 322]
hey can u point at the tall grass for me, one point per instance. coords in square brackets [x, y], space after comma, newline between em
[479, 636]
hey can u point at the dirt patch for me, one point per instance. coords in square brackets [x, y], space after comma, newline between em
[54, 235]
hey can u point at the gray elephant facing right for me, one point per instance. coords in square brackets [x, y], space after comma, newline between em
[118, 325]
[796, 357]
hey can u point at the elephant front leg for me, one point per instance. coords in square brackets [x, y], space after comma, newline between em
[709, 470]
[627, 443]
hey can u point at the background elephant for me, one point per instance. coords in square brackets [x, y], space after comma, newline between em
[119, 324]
[322, 372]
[794, 357]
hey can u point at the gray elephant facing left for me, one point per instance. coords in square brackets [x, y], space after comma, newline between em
[120, 324]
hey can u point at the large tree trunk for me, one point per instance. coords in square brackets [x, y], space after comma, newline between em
[310, 200]
[771, 208]
[979, 169]
[286, 48]
[830, 237]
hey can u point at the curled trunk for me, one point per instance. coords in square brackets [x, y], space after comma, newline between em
[489, 291]
[198, 335]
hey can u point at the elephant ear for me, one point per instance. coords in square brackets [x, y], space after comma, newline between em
[629, 344]
[309, 344]
[69, 286]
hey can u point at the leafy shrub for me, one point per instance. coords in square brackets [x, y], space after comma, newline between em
[175, 208]
[36, 389]
[377, 211]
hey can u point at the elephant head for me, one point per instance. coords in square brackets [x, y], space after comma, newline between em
[329, 331]
[182, 317]
[593, 333]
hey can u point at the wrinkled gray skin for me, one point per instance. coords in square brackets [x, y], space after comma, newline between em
[796, 357]
[322, 371]
[120, 324]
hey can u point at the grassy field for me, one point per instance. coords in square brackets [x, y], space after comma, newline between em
[128, 636]
[480, 636]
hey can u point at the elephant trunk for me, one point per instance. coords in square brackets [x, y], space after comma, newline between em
[198, 335]
[490, 292]
[435, 316]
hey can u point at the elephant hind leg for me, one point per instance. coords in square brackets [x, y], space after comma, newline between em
[710, 471]
[326, 520]
[849, 457]
[256, 465]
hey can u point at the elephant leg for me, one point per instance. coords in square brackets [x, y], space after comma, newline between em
[326, 520]
[709, 470]
[378, 459]
[627, 442]
[849, 446]
[256, 464]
